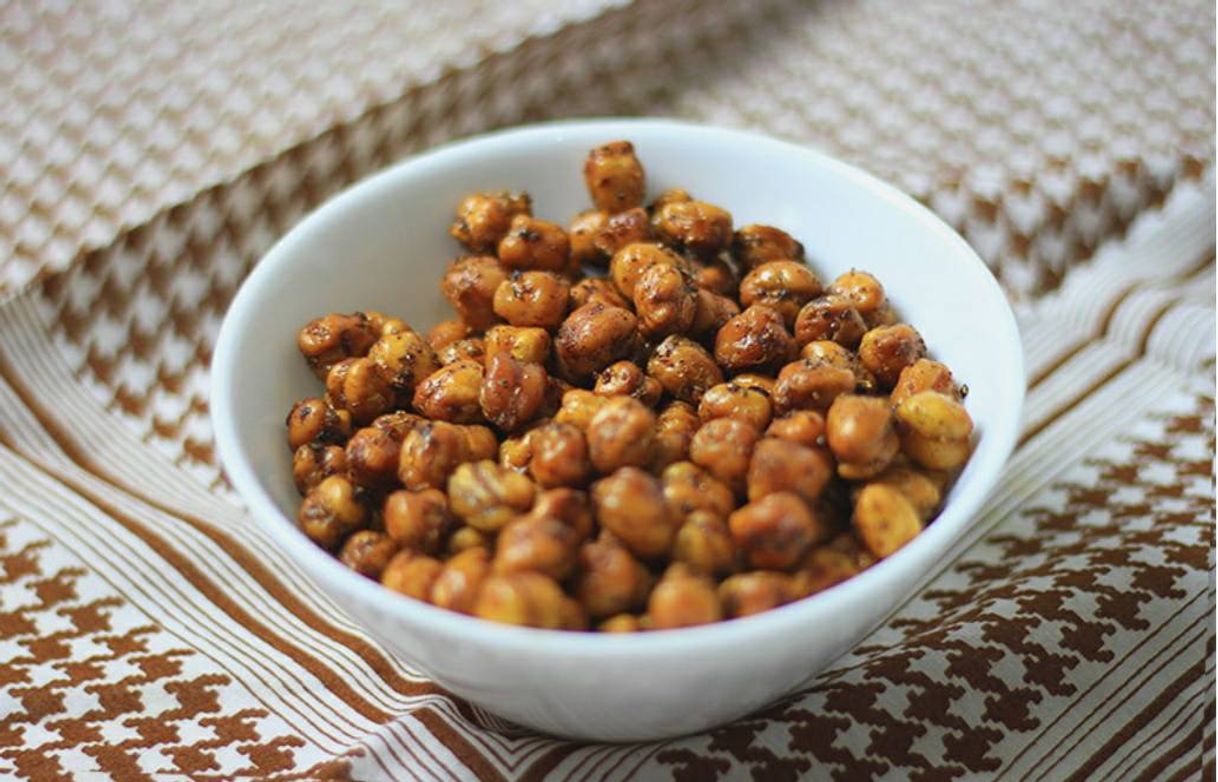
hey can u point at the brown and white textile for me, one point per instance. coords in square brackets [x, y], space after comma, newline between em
[151, 152]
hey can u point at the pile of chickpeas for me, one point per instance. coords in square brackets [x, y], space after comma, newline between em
[646, 420]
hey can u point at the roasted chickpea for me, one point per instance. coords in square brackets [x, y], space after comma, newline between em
[626, 378]
[430, 453]
[675, 428]
[512, 393]
[582, 234]
[559, 456]
[447, 332]
[610, 580]
[372, 457]
[620, 434]
[711, 313]
[468, 349]
[922, 488]
[935, 430]
[470, 285]
[673, 195]
[529, 344]
[745, 594]
[316, 421]
[451, 393]
[925, 375]
[312, 463]
[776, 531]
[534, 244]
[405, 359]
[478, 443]
[754, 245]
[628, 264]
[537, 543]
[885, 519]
[830, 317]
[328, 340]
[358, 386]
[689, 488]
[412, 574]
[861, 435]
[593, 337]
[457, 585]
[331, 511]
[805, 427]
[704, 543]
[756, 382]
[754, 339]
[887, 350]
[368, 553]
[630, 504]
[696, 226]
[684, 368]
[732, 400]
[515, 453]
[488, 496]
[466, 537]
[485, 218]
[825, 566]
[570, 506]
[783, 285]
[717, 276]
[723, 447]
[384, 325]
[862, 290]
[397, 423]
[597, 289]
[614, 177]
[884, 315]
[683, 598]
[529, 599]
[811, 384]
[778, 465]
[532, 299]
[579, 407]
[665, 301]
[622, 623]
[418, 520]
[596, 236]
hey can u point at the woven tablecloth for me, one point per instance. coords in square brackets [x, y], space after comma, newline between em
[149, 153]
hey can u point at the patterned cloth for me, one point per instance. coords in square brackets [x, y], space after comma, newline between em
[152, 152]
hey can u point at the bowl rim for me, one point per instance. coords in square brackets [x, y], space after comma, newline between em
[952, 521]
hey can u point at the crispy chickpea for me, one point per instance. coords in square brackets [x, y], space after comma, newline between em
[384, 325]
[596, 236]
[570, 506]
[529, 344]
[532, 299]
[579, 407]
[753, 245]
[862, 290]
[717, 276]
[776, 531]
[316, 421]
[723, 447]
[778, 465]
[515, 453]
[630, 504]
[411, 574]
[537, 543]
[593, 337]
[665, 301]
[610, 579]
[923, 489]
[622, 623]
[418, 520]
[529, 599]
[885, 519]
[884, 315]
[673, 195]
[925, 375]
[675, 428]
[887, 350]
[825, 566]
[754, 339]
[451, 393]
[582, 233]
[468, 349]
[711, 312]
[485, 218]
[811, 384]
[559, 456]
[466, 537]
[405, 359]
[488, 496]
[784, 285]
[478, 443]
[733, 400]
[328, 340]
[861, 435]
[620, 434]
[447, 332]
[696, 226]
[831, 317]
[456, 587]
[935, 430]
[805, 427]
[830, 352]
[358, 386]
[755, 381]
[397, 423]
[372, 457]
[684, 368]
[430, 453]
[614, 177]
[597, 289]
[745, 594]
[312, 463]
[368, 553]
[689, 488]
[534, 244]
[704, 543]
[470, 285]
[626, 378]
[683, 598]
[628, 264]
[331, 511]
[512, 393]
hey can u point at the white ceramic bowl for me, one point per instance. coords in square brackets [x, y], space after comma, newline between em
[383, 245]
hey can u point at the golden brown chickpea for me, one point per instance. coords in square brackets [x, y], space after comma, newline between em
[621, 623]
[405, 359]
[515, 453]
[488, 496]
[528, 599]
[825, 566]
[626, 378]
[620, 434]
[316, 421]
[683, 599]
[470, 285]
[689, 488]
[596, 236]
[862, 290]
[571, 507]
[466, 538]
[885, 315]
[776, 531]
[372, 457]
[456, 587]
[534, 244]
[925, 375]
[537, 543]
[559, 456]
[754, 245]
[630, 504]
[711, 312]
[418, 520]
[704, 543]
[430, 453]
[451, 393]
[468, 349]
[411, 574]
[358, 386]
[673, 195]
[723, 448]
[368, 553]
[887, 350]
[935, 430]
[922, 488]
[831, 317]
[861, 435]
[579, 407]
[811, 384]
[628, 264]
[885, 519]
[833, 353]
[328, 340]
[778, 465]
[757, 382]
[532, 299]
[398, 423]
[312, 463]
[384, 325]
[331, 511]
[614, 177]
[804, 427]
[684, 368]
[733, 400]
[754, 339]
[745, 594]
[478, 443]
[610, 580]
[594, 336]
[597, 289]
[512, 393]
[675, 427]
[717, 276]
[784, 285]
[665, 301]
[523, 343]
[695, 226]
[584, 229]
[447, 332]
[485, 218]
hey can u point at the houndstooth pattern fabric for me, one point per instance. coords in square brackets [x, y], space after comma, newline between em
[152, 153]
